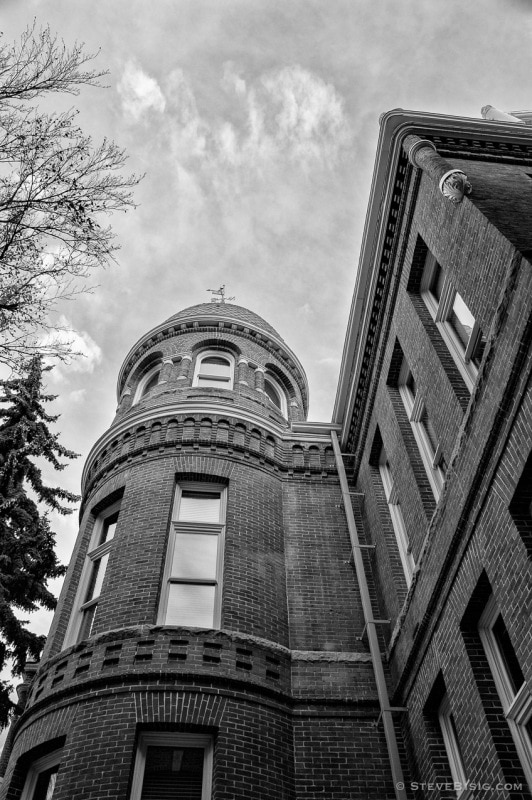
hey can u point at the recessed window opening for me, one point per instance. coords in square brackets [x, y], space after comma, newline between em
[457, 325]
[173, 765]
[452, 746]
[151, 384]
[193, 574]
[214, 369]
[275, 393]
[147, 383]
[90, 586]
[423, 429]
[514, 694]
[41, 778]
[397, 518]
[272, 393]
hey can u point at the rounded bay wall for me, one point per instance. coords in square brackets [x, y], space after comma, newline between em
[253, 599]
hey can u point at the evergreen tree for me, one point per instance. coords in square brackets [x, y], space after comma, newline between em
[27, 556]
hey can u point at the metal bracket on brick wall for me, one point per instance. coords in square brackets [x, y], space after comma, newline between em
[390, 710]
[372, 622]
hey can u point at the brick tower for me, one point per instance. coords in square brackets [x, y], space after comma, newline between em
[208, 639]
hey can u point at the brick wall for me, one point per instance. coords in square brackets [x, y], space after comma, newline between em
[476, 529]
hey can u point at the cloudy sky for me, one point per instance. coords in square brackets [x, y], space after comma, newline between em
[255, 122]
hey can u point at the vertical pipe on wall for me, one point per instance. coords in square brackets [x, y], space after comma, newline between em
[382, 691]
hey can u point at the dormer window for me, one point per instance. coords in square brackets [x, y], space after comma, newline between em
[275, 393]
[214, 369]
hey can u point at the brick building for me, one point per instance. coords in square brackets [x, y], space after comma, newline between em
[261, 606]
[435, 406]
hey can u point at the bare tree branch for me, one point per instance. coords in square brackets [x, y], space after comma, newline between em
[55, 188]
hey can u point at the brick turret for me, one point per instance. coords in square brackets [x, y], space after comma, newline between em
[209, 623]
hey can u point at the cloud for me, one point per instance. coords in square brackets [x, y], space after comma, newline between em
[250, 180]
[284, 116]
[232, 81]
[306, 116]
[77, 395]
[139, 93]
[284, 127]
[86, 354]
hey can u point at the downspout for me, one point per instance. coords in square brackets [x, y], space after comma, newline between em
[382, 690]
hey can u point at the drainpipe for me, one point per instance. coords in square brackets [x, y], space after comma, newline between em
[370, 622]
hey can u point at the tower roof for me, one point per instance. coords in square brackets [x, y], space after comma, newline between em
[215, 314]
[225, 311]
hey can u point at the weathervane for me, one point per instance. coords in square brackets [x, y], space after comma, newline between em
[218, 295]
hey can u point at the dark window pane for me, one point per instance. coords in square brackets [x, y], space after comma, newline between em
[44, 788]
[108, 528]
[478, 352]
[272, 393]
[86, 623]
[216, 360]
[429, 430]
[154, 380]
[214, 381]
[511, 664]
[436, 283]
[173, 773]
[97, 576]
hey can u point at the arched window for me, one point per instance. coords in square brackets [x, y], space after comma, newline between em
[275, 393]
[149, 381]
[214, 369]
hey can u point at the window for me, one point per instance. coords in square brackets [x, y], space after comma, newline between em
[214, 369]
[423, 429]
[90, 586]
[193, 574]
[452, 747]
[456, 323]
[515, 696]
[275, 393]
[521, 506]
[173, 765]
[41, 778]
[396, 515]
[149, 381]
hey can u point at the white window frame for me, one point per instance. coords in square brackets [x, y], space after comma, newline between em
[39, 766]
[440, 312]
[208, 529]
[415, 406]
[224, 384]
[396, 515]
[146, 378]
[154, 738]
[517, 706]
[268, 377]
[452, 748]
[95, 553]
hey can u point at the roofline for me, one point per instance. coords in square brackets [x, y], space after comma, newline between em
[395, 125]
